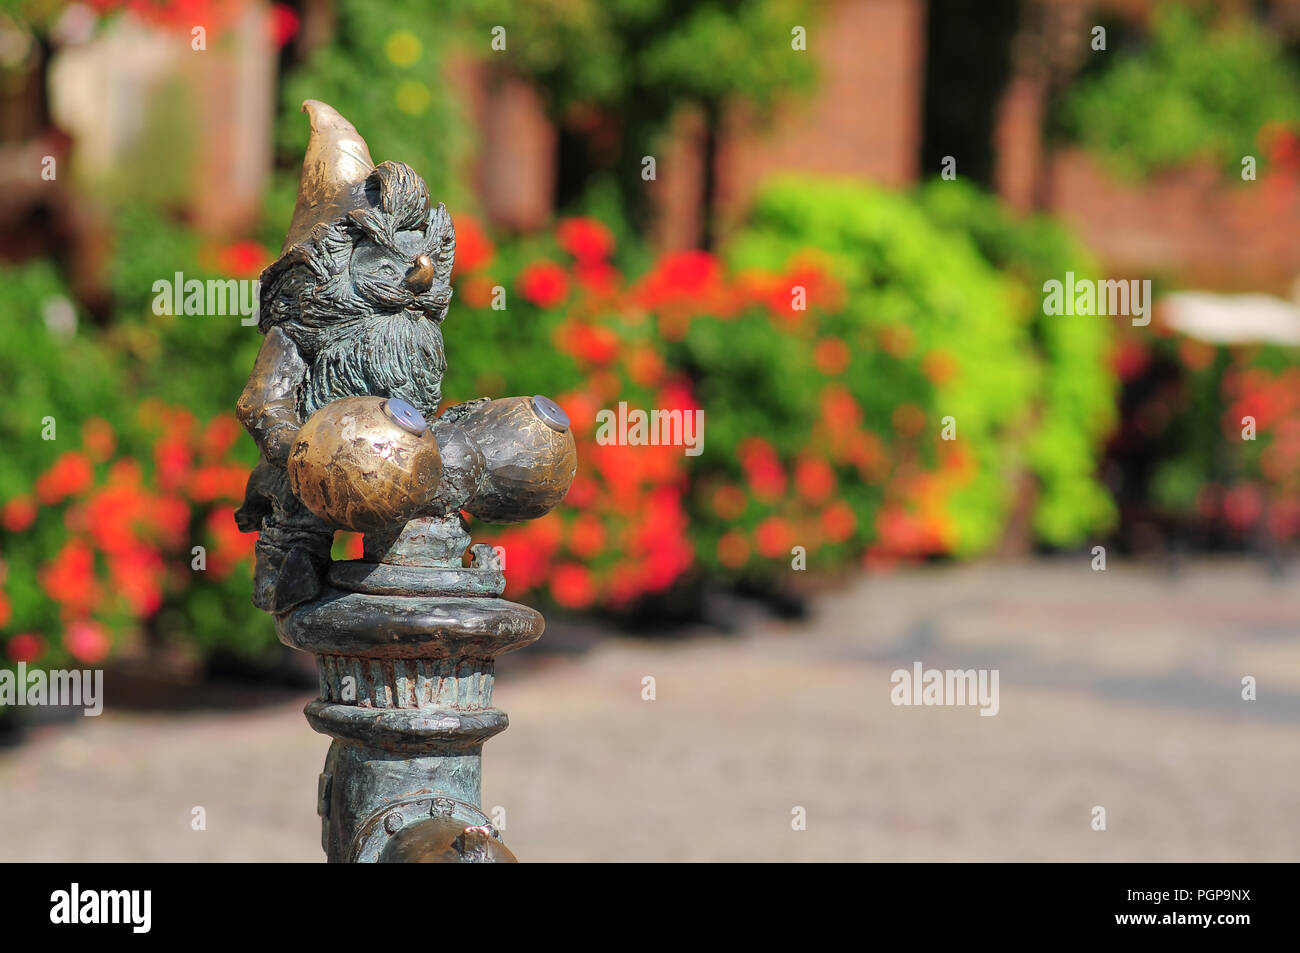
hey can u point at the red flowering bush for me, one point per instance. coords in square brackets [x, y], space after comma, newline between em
[1238, 481]
[825, 379]
[116, 543]
[104, 497]
[215, 16]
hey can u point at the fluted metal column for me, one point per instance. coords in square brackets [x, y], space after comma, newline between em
[406, 642]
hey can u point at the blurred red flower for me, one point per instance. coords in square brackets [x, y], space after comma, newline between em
[69, 578]
[86, 641]
[70, 475]
[774, 537]
[729, 502]
[284, 24]
[230, 546]
[172, 460]
[908, 419]
[939, 366]
[586, 536]
[25, 647]
[763, 468]
[18, 514]
[544, 283]
[681, 274]
[583, 493]
[137, 576]
[831, 356]
[590, 343]
[1242, 506]
[644, 365]
[733, 549]
[243, 259]
[597, 277]
[98, 439]
[571, 586]
[838, 522]
[586, 239]
[476, 291]
[814, 479]
[473, 248]
[897, 340]
[840, 409]
[1130, 358]
[1196, 355]
[218, 437]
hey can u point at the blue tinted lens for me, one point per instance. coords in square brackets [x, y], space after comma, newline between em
[405, 416]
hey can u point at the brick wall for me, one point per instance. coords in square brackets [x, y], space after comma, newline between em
[863, 120]
[1189, 225]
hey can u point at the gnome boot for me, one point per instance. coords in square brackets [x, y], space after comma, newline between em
[299, 580]
[266, 573]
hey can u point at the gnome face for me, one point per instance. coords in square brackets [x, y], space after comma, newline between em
[398, 246]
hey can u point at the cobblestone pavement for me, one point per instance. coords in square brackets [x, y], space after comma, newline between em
[1120, 689]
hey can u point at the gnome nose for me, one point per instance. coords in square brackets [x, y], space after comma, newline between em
[420, 278]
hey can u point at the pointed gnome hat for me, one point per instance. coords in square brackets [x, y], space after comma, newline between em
[334, 172]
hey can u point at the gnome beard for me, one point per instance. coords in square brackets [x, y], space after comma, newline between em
[393, 354]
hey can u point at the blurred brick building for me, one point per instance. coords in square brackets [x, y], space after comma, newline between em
[864, 121]
[893, 75]
[902, 84]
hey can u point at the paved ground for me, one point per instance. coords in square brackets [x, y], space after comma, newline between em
[1120, 689]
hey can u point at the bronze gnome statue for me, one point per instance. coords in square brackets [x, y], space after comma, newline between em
[343, 403]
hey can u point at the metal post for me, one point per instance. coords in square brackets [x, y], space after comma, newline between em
[406, 649]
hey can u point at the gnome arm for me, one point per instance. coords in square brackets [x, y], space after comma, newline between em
[268, 407]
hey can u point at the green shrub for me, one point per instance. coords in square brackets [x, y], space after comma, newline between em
[1202, 88]
[1075, 408]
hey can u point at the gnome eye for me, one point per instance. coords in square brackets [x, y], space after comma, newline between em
[411, 242]
[374, 259]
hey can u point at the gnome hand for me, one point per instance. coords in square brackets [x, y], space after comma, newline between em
[268, 406]
[456, 412]
[277, 443]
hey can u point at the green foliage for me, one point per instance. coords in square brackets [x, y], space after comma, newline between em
[63, 374]
[1201, 89]
[1027, 390]
[902, 272]
[1076, 402]
[125, 381]
[216, 351]
[385, 63]
[645, 58]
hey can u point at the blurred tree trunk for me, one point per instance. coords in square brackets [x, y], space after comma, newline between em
[709, 171]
